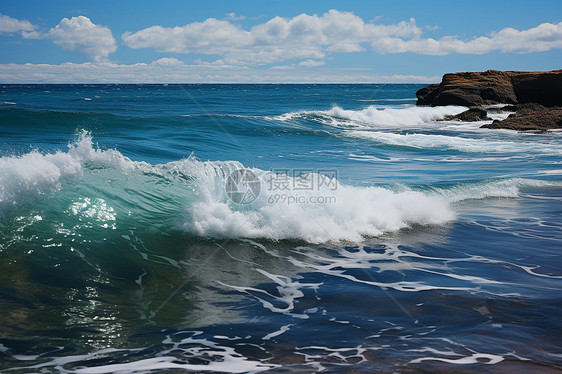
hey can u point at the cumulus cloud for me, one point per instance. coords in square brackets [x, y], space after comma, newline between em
[169, 62]
[10, 25]
[312, 37]
[279, 39]
[542, 38]
[79, 34]
[172, 70]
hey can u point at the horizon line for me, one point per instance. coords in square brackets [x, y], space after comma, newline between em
[203, 83]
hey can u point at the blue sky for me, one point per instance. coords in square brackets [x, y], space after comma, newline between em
[284, 41]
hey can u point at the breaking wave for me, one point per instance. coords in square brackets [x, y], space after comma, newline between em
[194, 194]
[375, 117]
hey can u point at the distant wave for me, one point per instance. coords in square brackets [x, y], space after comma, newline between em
[374, 117]
[390, 117]
[499, 188]
[463, 144]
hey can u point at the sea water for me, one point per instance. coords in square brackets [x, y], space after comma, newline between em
[280, 228]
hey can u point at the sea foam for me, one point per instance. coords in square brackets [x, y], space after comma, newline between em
[37, 174]
[316, 215]
[376, 117]
[444, 142]
[395, 117]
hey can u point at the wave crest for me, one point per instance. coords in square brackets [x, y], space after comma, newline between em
[391, 117]
[374, 117]
[324, 214]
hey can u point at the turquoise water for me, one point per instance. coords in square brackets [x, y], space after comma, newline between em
[247, 228]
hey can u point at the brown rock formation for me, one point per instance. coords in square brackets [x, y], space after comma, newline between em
[525, 120]
[471, 115]
[494, 87]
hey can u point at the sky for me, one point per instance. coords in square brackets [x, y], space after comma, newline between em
[313, 41]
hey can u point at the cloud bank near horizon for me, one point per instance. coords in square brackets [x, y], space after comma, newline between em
[172, 70]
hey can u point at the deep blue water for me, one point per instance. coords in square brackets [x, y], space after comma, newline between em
[289, 228]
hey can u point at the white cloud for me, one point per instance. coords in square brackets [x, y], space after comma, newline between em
[542, 38]
[282, 67]
[537, 39]
[279, 39]
[94, 42]
[235, 17]
[205, 37]
[311, 63]
[9, 25]
[171, 70]
[312, 37]
[168, 62]
[345, 47]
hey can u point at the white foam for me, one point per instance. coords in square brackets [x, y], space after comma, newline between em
[282, 330]
[509, 188]
[346, 213]
[316, 354]
[36, 174]
[425, 141]
[221, 359]
[551, 172]
[284, 303]
[229, 364]
[482, 358]
[374, 116]
[395, 117]
[435, 351]
[393, 259]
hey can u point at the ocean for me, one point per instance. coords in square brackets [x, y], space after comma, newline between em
[273, 228]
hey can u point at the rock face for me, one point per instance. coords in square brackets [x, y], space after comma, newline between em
[471, 115]
[494, 87]
[525, 120]
[535, 87]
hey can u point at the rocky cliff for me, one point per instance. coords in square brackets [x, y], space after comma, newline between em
[494, 87]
